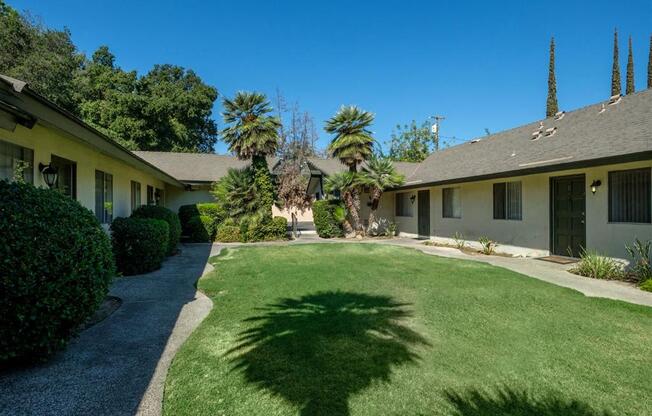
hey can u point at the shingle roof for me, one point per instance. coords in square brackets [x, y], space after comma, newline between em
[583, 137]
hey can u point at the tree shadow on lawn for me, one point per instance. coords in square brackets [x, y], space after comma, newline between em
[509, 402]
[318, 350]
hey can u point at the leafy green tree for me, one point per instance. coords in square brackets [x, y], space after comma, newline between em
[352, 145]
[629, 87]
[45, 58]
[551, 103]
[410, 143]
[379, 175]
[252, 133]
[616, 86]
[343, 184]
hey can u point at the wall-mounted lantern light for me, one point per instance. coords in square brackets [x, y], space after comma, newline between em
[413, 198]
[49, 174]
[595, 184]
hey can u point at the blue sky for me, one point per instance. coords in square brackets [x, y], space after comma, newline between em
[481, 64]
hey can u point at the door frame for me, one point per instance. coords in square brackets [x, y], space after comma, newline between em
[551, 197]
[427, 217]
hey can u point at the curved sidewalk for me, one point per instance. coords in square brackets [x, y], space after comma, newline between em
[118, 366]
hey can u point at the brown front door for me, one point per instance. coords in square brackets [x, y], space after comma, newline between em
[423, 217]
[568, 215]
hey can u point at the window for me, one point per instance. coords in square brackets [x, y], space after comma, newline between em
[508, 201]
[135, 195]
[159, 197]
[66, 176]
[403, 205]
[103, 197]
[452, 207]
[16, 160]
[150, 195]
[629, 196]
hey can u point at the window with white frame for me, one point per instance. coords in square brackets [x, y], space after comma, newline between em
[403, 205]
[508, 201]
[135, 195]
[16, 161]
[630, 192]
[452, 206]
[103, 197]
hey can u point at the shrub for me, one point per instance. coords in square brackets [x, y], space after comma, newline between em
[488, 245]
[139, 244]
[161, 213]
[201, 229]
[646, 285]
[55, 269]
[324, 214]
[460, 242]
[228, 233]
[209, 209]
[594, 265]
[263, 228]
[641, 254]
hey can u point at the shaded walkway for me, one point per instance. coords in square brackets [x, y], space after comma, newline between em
[118, 366]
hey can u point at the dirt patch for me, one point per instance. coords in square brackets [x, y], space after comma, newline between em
[466, 250]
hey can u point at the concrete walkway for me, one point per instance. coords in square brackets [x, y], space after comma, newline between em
[118, 366]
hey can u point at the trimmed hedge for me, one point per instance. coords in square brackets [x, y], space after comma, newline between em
[161, 213]
[228, 233]
[266, 229]
[139, 244]
[55, 270]
[201, 229]
[326, 223]
[209, 209]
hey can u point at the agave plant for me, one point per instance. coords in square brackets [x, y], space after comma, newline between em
[379, 175]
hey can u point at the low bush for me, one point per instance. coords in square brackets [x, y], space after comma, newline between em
[646, 285]
[209, 209]
[324, 214]
[139, 244]
[263, 228]
[594, 265]
[641, 254]
[201, 229]
[460, 242]
[228, 233]
[161, 213]
[55, 269]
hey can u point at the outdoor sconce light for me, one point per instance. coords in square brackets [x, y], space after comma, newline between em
[49, 174]
[595, 184]
[413, 198]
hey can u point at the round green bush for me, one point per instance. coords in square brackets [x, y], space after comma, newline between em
[326, 215]
[139, 244]
[55, 269]
[161, 213]
[228, 233]
[201, 229]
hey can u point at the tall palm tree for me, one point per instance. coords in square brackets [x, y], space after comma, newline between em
[252, 133]
[353, 144]
[379, 175]
[343, 183]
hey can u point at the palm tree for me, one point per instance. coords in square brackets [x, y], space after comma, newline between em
[379, 175]
[252, 133]
[352, 145]
[236, 193]
[343, 183]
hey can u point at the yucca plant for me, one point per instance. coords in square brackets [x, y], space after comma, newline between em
[594, 265]
[641, 254]
[488, 245]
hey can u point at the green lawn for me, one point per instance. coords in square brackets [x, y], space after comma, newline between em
[365, 329]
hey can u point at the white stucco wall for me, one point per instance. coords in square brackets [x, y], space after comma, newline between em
[45, 142]
[533, 231]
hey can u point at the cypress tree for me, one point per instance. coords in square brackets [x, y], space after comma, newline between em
[629, 89]
[551, 103]
[649, 66]
[615, 70]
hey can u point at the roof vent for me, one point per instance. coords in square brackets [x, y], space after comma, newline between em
[536, 134]
[602, 109]
[551, 131]
[560, 115]
[615, 99]
[475, 140]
